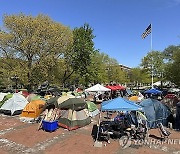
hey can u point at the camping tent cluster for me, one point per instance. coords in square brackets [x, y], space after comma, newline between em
[73, 112]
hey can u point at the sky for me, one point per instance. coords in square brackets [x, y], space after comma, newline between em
[117, 24]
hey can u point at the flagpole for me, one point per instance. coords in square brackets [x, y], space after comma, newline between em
[147, 31]
[152, 67]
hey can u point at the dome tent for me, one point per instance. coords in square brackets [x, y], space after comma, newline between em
[5, 98]
[92, 108]
[14, 105]
[74, 114]
[33, 109]
[155, 111]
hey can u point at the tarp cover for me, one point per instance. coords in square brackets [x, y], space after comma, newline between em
[155, 111]
[119, 104]
[98, 88]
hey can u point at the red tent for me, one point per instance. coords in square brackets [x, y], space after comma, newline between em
[118, 87]
[111, 87]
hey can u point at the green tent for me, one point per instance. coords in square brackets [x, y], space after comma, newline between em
[74, 115]
[74, 104]
[72, 119]
[33, 97]
[8, 96]
[51, 103]
[91, 106]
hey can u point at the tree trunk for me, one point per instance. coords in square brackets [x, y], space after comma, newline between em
[29, 75]
[66, 77]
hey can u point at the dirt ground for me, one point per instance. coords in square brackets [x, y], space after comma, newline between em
[17, 137]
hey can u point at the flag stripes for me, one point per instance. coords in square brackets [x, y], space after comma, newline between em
[146, 32]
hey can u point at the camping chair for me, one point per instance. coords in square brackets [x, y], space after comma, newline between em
[164, 133]
[102, 134]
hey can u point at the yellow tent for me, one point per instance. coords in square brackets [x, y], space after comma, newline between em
[33, 109]
[134, 98]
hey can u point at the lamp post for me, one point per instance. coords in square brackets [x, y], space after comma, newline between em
[15, 78]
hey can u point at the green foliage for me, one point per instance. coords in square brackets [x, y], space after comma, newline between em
[172, 69]
[34, 40]
[78, 57]
[139, 75]
[169, 52]
[83, 48]
[97, 69]
[154, 61]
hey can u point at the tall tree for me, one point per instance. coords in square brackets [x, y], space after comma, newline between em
[33, 40]
[97, 69]
[154, 62]
[78, 57]
[170, 51]
[113, 70]
[172, 69]
[139, 75]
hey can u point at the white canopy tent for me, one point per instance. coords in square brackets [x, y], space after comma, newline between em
[97, 88]
[174, 90]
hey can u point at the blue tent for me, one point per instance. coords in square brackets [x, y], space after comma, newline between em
[119, 104]
[153, 91]
[155, 111]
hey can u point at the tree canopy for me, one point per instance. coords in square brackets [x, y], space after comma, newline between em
[172, 69]
[34, 40]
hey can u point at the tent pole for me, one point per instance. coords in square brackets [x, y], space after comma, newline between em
[99, 121]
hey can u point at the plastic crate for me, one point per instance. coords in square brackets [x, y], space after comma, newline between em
[49, 126]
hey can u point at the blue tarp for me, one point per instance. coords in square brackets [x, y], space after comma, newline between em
[119, 104]
[153, 91]
[155, 111]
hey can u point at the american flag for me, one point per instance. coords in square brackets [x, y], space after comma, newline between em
[146, 32]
